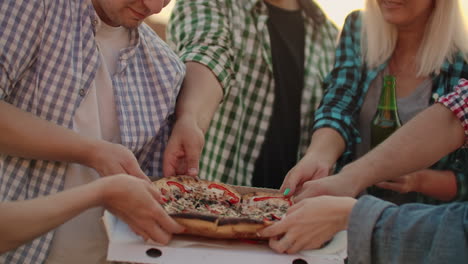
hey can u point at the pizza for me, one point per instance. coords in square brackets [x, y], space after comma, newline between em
[217, 210]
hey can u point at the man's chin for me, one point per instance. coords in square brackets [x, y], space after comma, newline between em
[132, 24]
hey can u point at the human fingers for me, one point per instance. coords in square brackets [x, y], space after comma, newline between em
[305, 242]
[275, 229]
[292, 180]
[394, 186]
[181, 166]
[301, 174]
[294, 208]
[134, 169]
[165, 221]
[282, 244]
[310, 189]
[171, 157]
[192, 157]
[139, 232]
[158, 234]
[156, 194]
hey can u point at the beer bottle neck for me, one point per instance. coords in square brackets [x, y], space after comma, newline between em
[388, 96]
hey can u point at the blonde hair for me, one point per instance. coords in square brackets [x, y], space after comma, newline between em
[446, 35]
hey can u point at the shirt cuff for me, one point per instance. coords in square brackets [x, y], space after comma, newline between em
[457, 102]
[219, 66]
[362, 220]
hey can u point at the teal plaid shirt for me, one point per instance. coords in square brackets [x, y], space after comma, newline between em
[347, 86]
[231, 38]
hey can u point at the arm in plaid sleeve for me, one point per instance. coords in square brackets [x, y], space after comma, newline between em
[17, 53]
[198, 31]
[457, 103]
[22, 221]
[340, 104]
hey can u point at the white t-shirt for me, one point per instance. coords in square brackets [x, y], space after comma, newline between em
[83, 239]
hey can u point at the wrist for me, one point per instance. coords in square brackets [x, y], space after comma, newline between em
[104, 189]
[327, 144]
[355, 180]
[96, 192]
[189, 119]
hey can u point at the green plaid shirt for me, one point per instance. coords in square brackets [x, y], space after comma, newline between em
[231, 38]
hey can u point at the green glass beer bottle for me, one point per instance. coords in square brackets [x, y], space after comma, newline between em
[383, 124]
[386, 119]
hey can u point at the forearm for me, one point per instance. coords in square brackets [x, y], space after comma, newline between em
[328, 144]
[22, 221]
[200, 95]
[417, 145]
[28, 136]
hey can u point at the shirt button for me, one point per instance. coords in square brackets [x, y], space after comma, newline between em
[82, 92]
[95, 22]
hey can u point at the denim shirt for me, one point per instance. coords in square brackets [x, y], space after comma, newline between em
[381, 232]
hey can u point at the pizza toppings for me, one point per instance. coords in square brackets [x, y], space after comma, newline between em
[234, 198]
[178, 185]
[256, 199]
[218, 210]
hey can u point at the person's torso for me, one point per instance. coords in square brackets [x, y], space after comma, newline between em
[237, 132]
[52, 70]
[82, 239]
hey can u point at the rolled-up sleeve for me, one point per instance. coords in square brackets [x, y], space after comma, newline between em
[457, 102]
[340, 104]
[198, 31]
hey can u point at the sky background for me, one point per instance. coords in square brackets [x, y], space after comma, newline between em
[335, 9]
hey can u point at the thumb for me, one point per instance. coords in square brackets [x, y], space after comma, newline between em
[192, 161]
[136, 171]
[290, 183]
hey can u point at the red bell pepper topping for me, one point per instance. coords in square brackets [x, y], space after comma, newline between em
[180, 186]
[275, 217]
[234, 198]
[257, 199]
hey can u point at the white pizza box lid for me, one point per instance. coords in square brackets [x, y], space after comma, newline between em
[126, 246]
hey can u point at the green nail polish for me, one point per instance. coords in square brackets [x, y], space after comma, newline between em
[286, 192]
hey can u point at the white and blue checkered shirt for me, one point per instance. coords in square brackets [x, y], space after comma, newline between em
[48, 61]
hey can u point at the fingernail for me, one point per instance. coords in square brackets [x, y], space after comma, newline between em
[286, 192]
[192, 171]
[258, 234]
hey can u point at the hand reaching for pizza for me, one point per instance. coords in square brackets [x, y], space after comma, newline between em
[310, 167]
[184, 148]
[309, 224]
[108, 159]
[135, 201]
[335, 185]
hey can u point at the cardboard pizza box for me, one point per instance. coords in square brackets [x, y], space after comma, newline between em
[126, 246]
